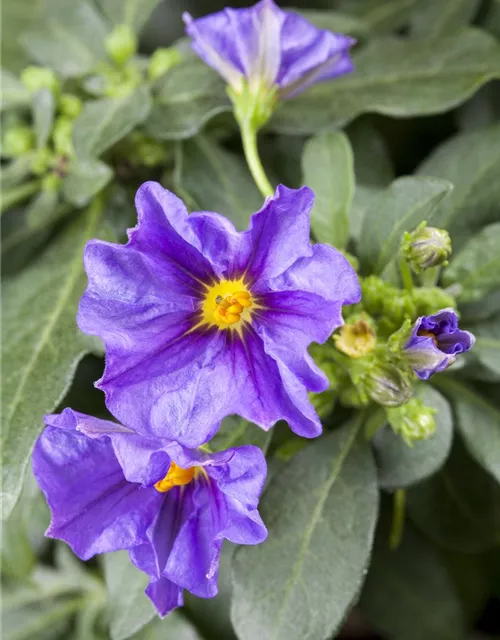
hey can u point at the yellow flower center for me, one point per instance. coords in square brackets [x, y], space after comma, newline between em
[356, 340]
[427, 334]
[176, 477]
[227, 304]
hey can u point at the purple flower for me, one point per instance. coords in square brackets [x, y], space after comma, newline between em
[170, 507]
[268, 47]
[201, 321]
[435, 342]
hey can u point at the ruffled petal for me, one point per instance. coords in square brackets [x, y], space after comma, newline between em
[425, 358]
[94, 508]
[165, 595]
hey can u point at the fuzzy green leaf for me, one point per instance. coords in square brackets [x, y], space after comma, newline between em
[134, 13]
[85, 179]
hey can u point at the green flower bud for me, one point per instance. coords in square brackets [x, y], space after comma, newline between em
[70, 105]
[35, 78]
[51, 182]
[397, 308]
[17, 141]
[429, 300]
[426, 247]
[162, 61]
[43, 159]
[121, 44]
[62, 136]
[375, 293]
[387, 385]
[413, 421]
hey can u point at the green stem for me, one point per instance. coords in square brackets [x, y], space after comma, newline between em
[14, 196]
[406, 276]
[249, 138]
[398, 519]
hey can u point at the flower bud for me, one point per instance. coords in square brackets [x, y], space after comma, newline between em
[387, 385]
[62, 136]
[36, 78]
[17, 141]
[70, 105]
[376, 292]
[429, 300]
[426, 247]
[51, 182]
[121, 44]
[412, 421]
[162, 61]
[42, 160]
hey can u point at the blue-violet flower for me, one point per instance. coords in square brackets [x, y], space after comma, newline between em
[265, 47]
[201, 321]
[435, 342]
[170, 507]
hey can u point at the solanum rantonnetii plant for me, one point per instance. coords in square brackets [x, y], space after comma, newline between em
[377, 342]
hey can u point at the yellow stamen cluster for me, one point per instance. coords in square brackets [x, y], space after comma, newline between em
[356, 340]
[228, 310]
[176, 477]
[427, 334]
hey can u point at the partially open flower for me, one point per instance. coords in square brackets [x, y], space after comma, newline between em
[435, 343]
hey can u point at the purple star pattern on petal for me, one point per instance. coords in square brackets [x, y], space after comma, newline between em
[435, 343]
[201, 321]
[170, 507]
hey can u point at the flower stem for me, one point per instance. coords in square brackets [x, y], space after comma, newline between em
[249, 138]
[398, 519]
[406, 276]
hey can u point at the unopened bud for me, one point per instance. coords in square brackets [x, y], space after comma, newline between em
[413, 421]
[162, 61]
[387, 385]
[17, 141]
[428, 300]
[42, 160]
[62, 136]
[70, 105]
[121, 44]
[51, 182]
[426, 247]
[376, 292]
[36, 78]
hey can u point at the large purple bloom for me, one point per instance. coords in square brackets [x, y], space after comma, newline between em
[170, 507]
[201, 321]
[265, 46]
[435, 343]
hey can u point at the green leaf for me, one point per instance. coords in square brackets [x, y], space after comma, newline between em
[487, 346]
[477, 267]
[44, 108]
[402, 588]
[18, 16]
[401, 207]
[328, 169]
[42, 344]
[472, 162]
[69, 38]
[135, 13]
[443, 17]
[175, 627]
[478, 422]
[189, 95]
[401, 465]
[16, 171]
[335, 21]
[396, 77]
[320, 507]
[86, 179]
[236, 432]
[382, 16]
[458, 507]
[104, 122]
[129, 608]
[14, 93]
[216, 180]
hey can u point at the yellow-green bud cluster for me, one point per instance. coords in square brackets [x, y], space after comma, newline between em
[413, 421]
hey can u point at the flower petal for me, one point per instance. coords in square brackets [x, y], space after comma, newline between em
[165, 595]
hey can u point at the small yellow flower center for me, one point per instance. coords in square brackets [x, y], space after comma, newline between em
[176, 477]
[427, 334]
[356, 340]
[227, 304]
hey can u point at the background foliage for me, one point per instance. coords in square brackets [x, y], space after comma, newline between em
[412, 135]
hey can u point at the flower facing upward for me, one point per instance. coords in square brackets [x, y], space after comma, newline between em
[263, 46]
[435, 343]
[201, 321]
[171, 508]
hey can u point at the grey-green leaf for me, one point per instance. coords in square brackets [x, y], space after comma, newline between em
[400, 465]
[320, 510]
[487, 346]
[14, 93]
[235, 432]
[42, 345]
[175, 626]
[382, 16]
[444, 17]
[44, 107]
[477, 267]
[328, 169]
[104, 122]
[471, 161]
[84, 180]
[401, 207]
[134, 13]
[69, 38]
[214, 179]
[458, 507]
[478, 422]
[129, 609]
[189, 95]
[412, 579]
[335, 21]
[396, 77]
